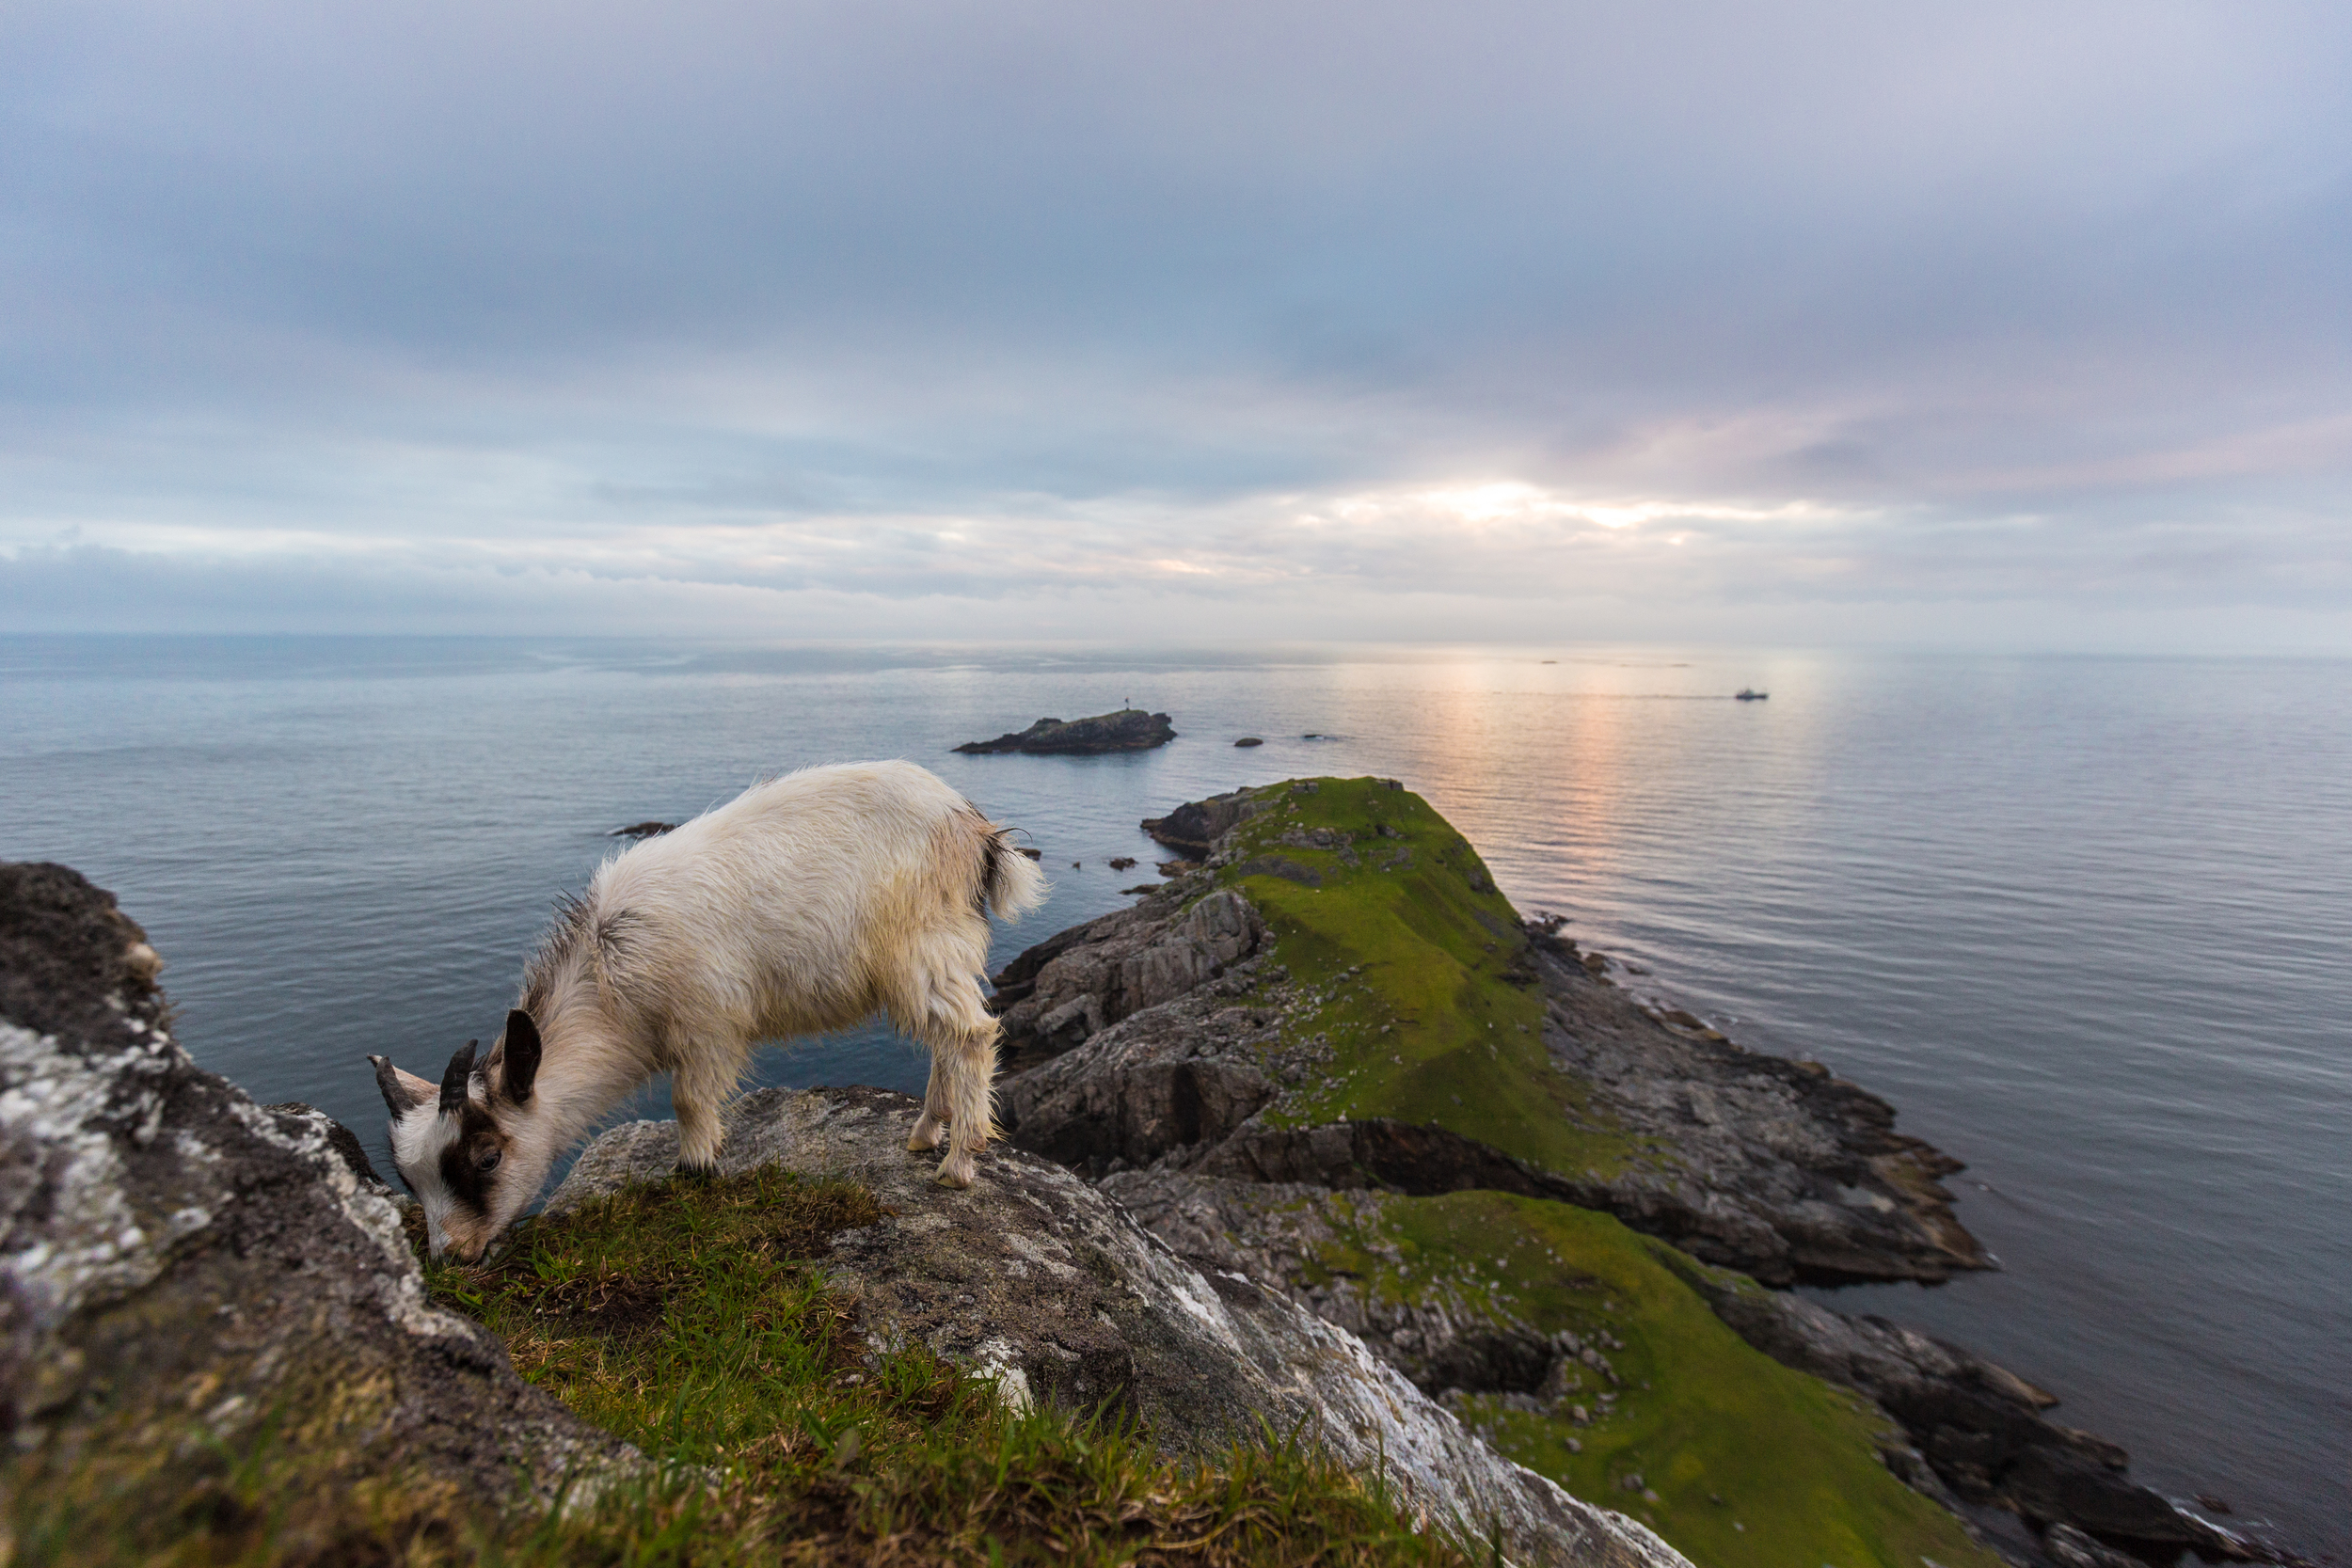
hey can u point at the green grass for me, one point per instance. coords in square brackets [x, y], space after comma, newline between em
[1416, 975]
[1754, 1465]
[688, 1321]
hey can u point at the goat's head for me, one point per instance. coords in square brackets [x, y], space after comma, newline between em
[456, 1147]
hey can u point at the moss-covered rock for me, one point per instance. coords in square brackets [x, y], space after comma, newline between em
[1578, 1348]
[1340, 996]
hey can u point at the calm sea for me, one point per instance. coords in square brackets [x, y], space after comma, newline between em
[2086, 922]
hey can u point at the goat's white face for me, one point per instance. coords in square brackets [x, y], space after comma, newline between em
[450, 1145]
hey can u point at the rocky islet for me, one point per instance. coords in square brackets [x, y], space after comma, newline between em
[1127, 730]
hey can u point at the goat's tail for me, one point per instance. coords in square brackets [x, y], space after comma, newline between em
[1011, 883]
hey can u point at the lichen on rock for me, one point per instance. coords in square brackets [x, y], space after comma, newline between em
[203, 1303]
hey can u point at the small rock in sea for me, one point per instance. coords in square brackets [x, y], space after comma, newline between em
[1250, 740]
[1076, 866]
[1122, 862]
[1144, 887]
[644, 830]
[1128, 730]
[1034, 854]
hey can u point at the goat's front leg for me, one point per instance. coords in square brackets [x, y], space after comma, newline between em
[934, 1117]
[699, 1091]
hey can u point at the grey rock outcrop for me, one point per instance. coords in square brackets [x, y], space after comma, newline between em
[1275, 1232]
[1072, 987]
[1128, 730]
[1039, 1280]
[1132, 1042]
[205, 1305]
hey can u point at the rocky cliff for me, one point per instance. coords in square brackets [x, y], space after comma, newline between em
[1330, 1057]
[213, 1337]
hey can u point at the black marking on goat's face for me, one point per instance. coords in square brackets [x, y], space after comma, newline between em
[469, 1164]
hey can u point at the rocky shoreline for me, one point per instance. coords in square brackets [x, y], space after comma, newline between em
[1172, 1054]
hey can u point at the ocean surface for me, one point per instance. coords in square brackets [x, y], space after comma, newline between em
[2086, 922]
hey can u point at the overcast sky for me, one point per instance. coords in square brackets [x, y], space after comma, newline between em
[1998, 324]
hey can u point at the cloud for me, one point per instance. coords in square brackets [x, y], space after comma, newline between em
[956, 302]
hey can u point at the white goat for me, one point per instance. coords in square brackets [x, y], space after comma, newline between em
[807, 903]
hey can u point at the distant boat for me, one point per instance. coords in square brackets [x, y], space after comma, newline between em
[1748, 694]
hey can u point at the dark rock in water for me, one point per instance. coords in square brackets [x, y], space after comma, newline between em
[201, 1297]
[1035, 1279]
[1122, 862]
[1251, 740]
[1034, 854]
[2071, 1548]
[1128, 730]
[1196, 825]
[644, 830]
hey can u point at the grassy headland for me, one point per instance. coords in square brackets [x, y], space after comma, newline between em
[1411, 982]
[1415, 976]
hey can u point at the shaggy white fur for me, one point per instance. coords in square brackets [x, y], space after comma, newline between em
[807, 903]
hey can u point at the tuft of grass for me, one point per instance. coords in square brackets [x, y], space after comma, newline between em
[1416, 978]
[694, 1321]
[1741, 1462]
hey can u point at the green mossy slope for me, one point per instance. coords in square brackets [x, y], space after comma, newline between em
[1752, 1465]
[689, 1320]
[1412, 978]
[1414, 969]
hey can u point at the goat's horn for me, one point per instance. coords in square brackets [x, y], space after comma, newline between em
[453, 1081]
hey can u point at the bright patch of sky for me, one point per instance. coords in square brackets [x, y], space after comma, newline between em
[1814, 322]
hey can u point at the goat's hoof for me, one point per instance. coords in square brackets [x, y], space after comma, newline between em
[955, 1171]
[697, 1172]
[923, 1139]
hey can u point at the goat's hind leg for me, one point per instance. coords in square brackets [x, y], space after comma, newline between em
[970, 1069]
[926, 1135]
[953, 1021]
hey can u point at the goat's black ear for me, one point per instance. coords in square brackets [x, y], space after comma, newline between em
[521, 1053]
[399, 1098]
[453, 1081]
